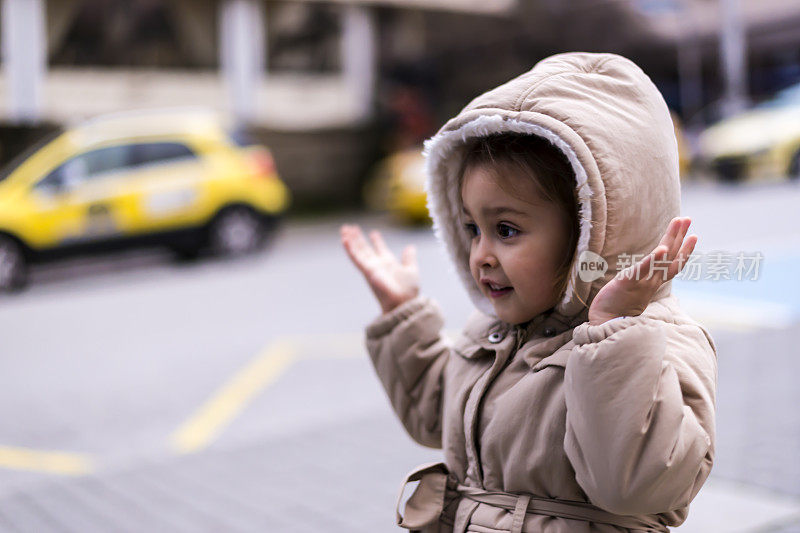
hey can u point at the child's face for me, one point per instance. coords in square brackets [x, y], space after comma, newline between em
[518, 241]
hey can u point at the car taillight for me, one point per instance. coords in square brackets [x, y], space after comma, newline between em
[263, 163]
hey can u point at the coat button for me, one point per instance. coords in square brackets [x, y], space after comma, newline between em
[549, 332]
[495, 337]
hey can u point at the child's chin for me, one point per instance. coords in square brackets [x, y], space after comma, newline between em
[511, 316]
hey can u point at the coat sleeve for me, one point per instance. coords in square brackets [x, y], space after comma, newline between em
[409, 355]
[640, 396]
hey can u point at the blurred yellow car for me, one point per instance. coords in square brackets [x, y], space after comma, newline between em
[684, 150]
[762, 143]
[398, 186]
[173, 177]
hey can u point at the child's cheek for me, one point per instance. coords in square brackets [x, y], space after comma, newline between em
[473, 269]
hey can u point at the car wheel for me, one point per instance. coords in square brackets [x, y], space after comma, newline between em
[235, 231]
[794, 167]
[13, 268]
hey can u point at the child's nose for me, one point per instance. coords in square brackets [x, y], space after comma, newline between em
[484, 255]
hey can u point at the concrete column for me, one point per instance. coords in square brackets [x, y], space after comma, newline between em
[690, 65]
[24, 55]
[733, 52]
[242, 54]
[359, 57]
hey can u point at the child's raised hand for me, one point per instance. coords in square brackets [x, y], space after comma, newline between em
[392, 281]
[631, 290]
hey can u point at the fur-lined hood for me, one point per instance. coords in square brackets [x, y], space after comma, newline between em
[613, 125]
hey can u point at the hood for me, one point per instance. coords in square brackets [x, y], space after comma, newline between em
[609, 119]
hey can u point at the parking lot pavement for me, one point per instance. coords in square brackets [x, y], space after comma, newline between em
[342, 477]
[723, 506]
[339, 478]
[318, 449]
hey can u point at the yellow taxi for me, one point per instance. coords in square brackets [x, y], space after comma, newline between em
[398, 186]
[684, 149]
[759, 144]
[177, 178]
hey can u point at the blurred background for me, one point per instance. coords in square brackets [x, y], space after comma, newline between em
[180, 331]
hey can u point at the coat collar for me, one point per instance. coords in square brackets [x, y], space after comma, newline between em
[484, 334]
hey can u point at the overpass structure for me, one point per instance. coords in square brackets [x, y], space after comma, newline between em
[242, 87]
[232, 36]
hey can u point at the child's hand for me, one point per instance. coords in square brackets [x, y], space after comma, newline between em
[392, 281]
[629, 293]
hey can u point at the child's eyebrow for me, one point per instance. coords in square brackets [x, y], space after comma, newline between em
[499, 210]
[503, 210]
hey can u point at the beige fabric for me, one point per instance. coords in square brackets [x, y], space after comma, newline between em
[437, 489]
[619, 415]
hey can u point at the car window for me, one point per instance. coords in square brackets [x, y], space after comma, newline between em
[163, 152]
[790, 96]
[88, 165]
[113, 158]
[105, 160]
[241, 138]
[55, 179]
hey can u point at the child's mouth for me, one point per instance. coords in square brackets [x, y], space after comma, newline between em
[497, 291]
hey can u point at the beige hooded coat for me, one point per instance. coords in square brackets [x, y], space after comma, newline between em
[557, 425]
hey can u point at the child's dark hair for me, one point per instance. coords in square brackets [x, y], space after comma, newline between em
[548, 168]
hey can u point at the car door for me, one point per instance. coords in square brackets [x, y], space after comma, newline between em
[169, 185]
[86, 198]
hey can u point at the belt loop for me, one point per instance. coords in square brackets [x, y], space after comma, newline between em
[519, 513]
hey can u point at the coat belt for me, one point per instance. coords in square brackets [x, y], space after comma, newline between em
[437, 490]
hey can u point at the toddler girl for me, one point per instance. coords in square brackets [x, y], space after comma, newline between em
[579, 396]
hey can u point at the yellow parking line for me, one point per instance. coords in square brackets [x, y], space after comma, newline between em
[230, 400]
[69, 464]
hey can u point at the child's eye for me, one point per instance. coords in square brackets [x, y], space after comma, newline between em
[472, 229]
[504, 231]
